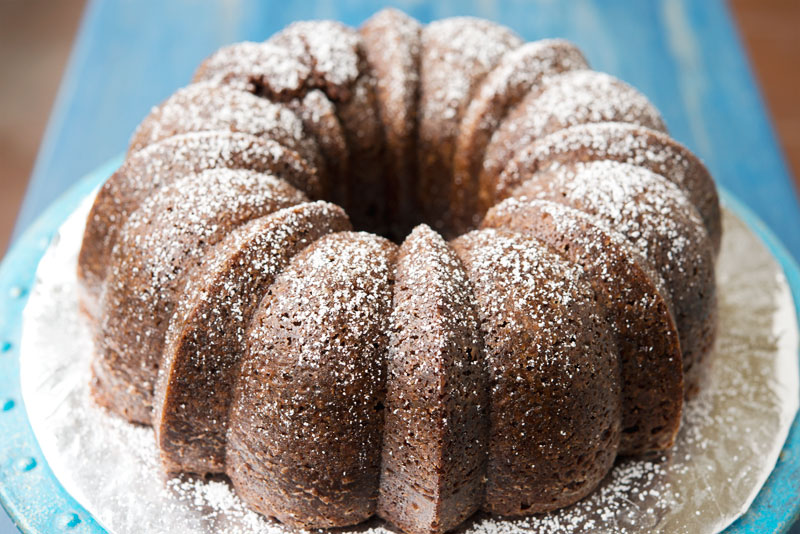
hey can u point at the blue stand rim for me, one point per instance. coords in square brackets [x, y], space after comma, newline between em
[38, 504]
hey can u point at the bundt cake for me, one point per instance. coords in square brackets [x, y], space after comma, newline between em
[412, 271]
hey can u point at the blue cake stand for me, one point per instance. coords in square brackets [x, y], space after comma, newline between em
[38, 504]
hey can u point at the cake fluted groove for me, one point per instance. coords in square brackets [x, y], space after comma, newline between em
[563, 100]
[657, 218]
[625, 143]
[555, 404]
[519, 72]
[392, 44]
[160, 164]
[457, 53]
[161, 241]
[334, 65]
[305, 434]
[435, 433]
[207, 333]
[204, 106]
[638, 307]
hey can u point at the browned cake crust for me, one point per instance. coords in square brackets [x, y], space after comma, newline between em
[332, 375]
[263, 69]
[456, 55]
[658, 219]
[369, 190]
[341, 68]
[320, 121]
[392, 43]
[435, 433]
[518, 73]
[637, 306]
[203, 107]
[333, 65]
[335, 55]
[624, 142]
[163, 239]
[554, 374]
[161, 163]
[206, 336]
[305, 427]
[280, 70]
[562, 100]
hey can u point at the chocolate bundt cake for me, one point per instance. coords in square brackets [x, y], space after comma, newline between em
[412, 271]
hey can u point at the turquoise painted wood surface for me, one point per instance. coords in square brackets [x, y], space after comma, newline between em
[131, 54]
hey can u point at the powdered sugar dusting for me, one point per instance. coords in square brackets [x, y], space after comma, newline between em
[392, 43]
[582, 96]
[744, 410]
[432, 277]
[517, 73]
[638, 308]
[653, 213]
[329, 49]
[161, 241]
[553, 369]
[198, 209]
[434, 440]
[567, 99]
[263, 69]
[312, 384]
[206, 336]
[205, 106]
[334, 48]
[658, 219]
[624, 142]
[173, 158]
[456, 54]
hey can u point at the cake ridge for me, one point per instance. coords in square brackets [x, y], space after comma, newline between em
[538, 314]
[204, 106]
[162, 162]
[333, 375]
[206, 335]
[563, 100]
[392, 43]
[457, 53]
[658, 219]
[321, 474]
[433, 460]
[639, 311]
[168, 233]
[624, 142]
[518, 73]
[273, 71]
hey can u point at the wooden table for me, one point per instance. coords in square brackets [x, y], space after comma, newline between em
[685, 56]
